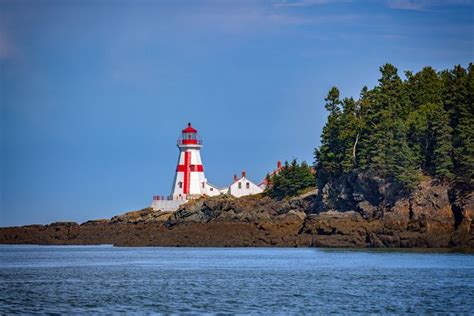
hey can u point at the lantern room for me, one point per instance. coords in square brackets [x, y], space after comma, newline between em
[189, 136]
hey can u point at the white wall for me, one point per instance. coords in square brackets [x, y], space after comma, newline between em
[196, 178]
[212, 190]
[166, 205]
[241, 190]
[224, 190]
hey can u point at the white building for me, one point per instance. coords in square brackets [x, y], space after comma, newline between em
[243, 186]
[212, 190]
[190, 181]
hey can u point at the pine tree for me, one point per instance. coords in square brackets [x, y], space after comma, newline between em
[418, 136]
[350, 133]
[402, 164]
[424, 87]
[430, 138]
[362, 145]
[463, 138]
[458, 103]
[329, 155]
[291, 180]
[388, 108]
[442, 162]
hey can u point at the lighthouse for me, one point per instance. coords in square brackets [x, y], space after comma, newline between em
[189, 181]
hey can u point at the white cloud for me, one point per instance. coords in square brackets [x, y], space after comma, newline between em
[419, 5]
[305, 3]
[300, 3]
[253, 16]
[405, 4]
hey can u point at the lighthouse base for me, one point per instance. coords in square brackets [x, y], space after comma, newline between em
[166, 205]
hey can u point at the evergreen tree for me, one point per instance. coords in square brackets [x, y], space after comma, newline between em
[441, 160]
[430, 138]
[402, 163]
[291, 180]
[463, 137]
[329, 155]
[458, 103]
[387, 132]
[424, 87]
[350, 133]
[362, 145]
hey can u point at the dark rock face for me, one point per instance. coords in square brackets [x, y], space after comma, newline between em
[358, 191]
[433, 215]
[370, 213]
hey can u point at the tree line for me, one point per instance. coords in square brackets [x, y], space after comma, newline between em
[402, 129]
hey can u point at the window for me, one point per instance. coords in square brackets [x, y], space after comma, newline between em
[180, 184]
[240, 185]
[203, 185]
[212, 189]
[247, 185]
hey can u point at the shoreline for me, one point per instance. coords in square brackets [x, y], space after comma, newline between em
[427, 222]
[419, 250]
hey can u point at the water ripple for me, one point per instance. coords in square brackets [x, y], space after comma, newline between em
[97, 279]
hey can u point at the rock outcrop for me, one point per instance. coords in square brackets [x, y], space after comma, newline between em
[360, 211]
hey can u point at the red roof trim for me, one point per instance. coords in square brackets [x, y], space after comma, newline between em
[189, 129]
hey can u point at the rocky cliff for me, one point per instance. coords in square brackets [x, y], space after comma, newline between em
[354, 212]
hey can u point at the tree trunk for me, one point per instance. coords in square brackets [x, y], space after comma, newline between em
[354, 148]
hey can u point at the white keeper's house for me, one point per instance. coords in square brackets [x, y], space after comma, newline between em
[189, 180]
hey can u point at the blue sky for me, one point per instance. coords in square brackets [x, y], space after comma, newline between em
[94, 93]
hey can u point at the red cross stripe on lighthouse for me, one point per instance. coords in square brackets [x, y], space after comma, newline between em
[187, 168]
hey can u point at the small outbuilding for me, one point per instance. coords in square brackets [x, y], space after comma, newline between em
[243, 186]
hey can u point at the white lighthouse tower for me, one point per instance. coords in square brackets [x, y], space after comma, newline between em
[189, 181]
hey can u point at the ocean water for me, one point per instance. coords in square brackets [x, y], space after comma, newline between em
[106, 279]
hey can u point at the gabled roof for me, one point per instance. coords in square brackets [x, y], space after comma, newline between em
[212, 185]
[235, 181]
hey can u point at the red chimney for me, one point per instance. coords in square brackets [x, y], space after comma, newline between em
[278, 164]
[235, 177]
[243, 174]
